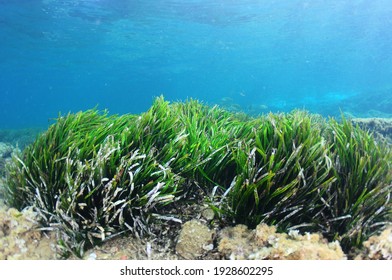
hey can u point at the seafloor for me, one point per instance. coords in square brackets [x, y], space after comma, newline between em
[21, 238]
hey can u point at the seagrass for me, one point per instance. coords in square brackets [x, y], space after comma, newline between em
[93, 175]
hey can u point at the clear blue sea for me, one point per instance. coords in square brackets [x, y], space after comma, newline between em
[257, 56]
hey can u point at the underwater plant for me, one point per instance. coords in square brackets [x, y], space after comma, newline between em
[283, 169]
[359, 202]
[93, 176]
[297, 171]
[85, 177]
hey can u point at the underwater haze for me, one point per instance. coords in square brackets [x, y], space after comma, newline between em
[256, 56]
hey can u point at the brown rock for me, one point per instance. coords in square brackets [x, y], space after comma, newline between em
[378, 247]
[195, 239]
[235, 242]
[264, 243]
[21, 239]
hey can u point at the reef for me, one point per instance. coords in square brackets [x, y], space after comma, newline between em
[19, 138]
[6, 152]
[92, 177]
[21, 239]
[378, 247]
[264, 243]
[381, 127]
[195, 239]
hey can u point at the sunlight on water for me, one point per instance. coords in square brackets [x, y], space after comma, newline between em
[254, 56]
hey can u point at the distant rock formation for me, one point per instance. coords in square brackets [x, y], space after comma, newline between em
[381, 127]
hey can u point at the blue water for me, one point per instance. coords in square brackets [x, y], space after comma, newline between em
[258, 56]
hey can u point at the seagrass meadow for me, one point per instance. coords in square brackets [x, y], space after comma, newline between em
[92, 175]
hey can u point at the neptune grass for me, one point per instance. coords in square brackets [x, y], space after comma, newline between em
[94, 175]
[358, 202]
[283, 169]
[85, 176]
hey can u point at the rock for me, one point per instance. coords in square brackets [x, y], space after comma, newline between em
[264, 243]
[381, 127]
[378, 247]
[20, 238]
[6, 152]
[208, 214]
[235, 242]
[195, 240]
[2, 193]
